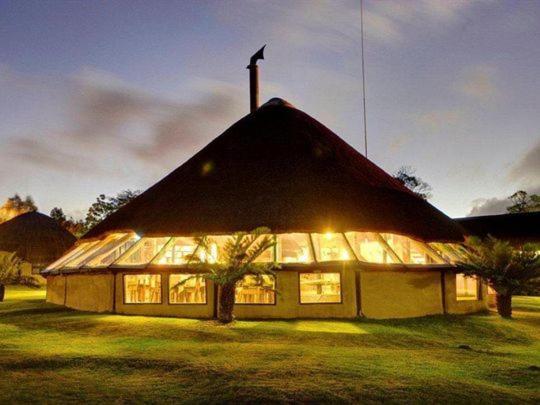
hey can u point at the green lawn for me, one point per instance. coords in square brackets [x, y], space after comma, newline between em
[50, 354]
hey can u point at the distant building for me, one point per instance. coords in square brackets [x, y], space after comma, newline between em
[36, 238]
[518, 229]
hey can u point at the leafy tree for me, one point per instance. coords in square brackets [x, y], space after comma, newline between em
[77, 228]
[507, 270]
[238, 257]
[15, 206]
[58, 215]
[11, 273]
[106, 205]
[406, 176]
[523, 202]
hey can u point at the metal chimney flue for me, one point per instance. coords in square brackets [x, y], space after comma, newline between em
[254, 79]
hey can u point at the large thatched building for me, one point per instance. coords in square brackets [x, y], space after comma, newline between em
[36, 238]
[351, 240]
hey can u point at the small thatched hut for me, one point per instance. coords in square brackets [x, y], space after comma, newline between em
[36, 238]
[351, 240]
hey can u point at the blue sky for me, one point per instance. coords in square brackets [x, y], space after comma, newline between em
[97, 97]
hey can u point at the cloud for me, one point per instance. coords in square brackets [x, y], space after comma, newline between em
[439, 119]
[489, 206]
[478, 82]
[525, 174]
[527, 169]
[336, 25]
[110, 119]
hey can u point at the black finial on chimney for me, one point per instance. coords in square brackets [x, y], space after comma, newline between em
[254, 79]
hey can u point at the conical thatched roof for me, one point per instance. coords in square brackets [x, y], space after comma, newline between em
[36, 238]
[280, 168]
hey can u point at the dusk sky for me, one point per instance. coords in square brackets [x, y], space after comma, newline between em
[98, 97]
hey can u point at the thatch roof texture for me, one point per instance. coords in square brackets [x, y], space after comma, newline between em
[36, 238]
[280, 168]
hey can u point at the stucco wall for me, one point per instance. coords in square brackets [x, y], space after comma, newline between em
[454, 306]
[90, 292]
[400, 294]
[56, 289]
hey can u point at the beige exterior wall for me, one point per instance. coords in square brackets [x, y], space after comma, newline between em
[390, 293]
[385, 293]
[55, 289]
[454, 306]
[90, 292]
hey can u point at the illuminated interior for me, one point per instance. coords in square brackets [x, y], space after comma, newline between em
[112, 251]
[331, 247]
[176, 252]
[142, 289]
[293, 248]
[256, 290]
[410, 251]
[142, 252]
[97, 249]
[128, 250]
[368, 247]
[445, 251]
[317, 288]
[466, 287]
[187, 289]
[79, 250]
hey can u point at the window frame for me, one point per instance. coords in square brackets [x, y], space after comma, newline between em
[321, 272]
[478, 289]
[142, 303]
[259, 304]
[186, 303]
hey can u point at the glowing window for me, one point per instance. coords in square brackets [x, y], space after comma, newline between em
[142, 289]
[368, 247]
[268, 255]
[176, 252]
[458, 250]
[192, 291]
[410, 251]
[317, 288]
[293, 248]
[491, 290]
[446, 252]
[97, 249]
[466, 287]
[331, 247]
[112, 251]
[72, 254]
[142, 252]
[256, 290]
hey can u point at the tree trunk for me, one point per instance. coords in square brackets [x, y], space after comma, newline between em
[504, 305]
[2, 292]
[226, 303]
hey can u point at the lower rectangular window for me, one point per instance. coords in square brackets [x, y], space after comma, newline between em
[466, 287]
[187, 289]
[256, 290]
[320, 288]
[142, 288]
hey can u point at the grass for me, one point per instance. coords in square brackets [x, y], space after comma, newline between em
[51, 354]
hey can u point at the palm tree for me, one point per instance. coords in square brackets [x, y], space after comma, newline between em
[11, 273]
[238, 258]
[507, 270]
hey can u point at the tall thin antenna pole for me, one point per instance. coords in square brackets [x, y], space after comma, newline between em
[363, 72]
